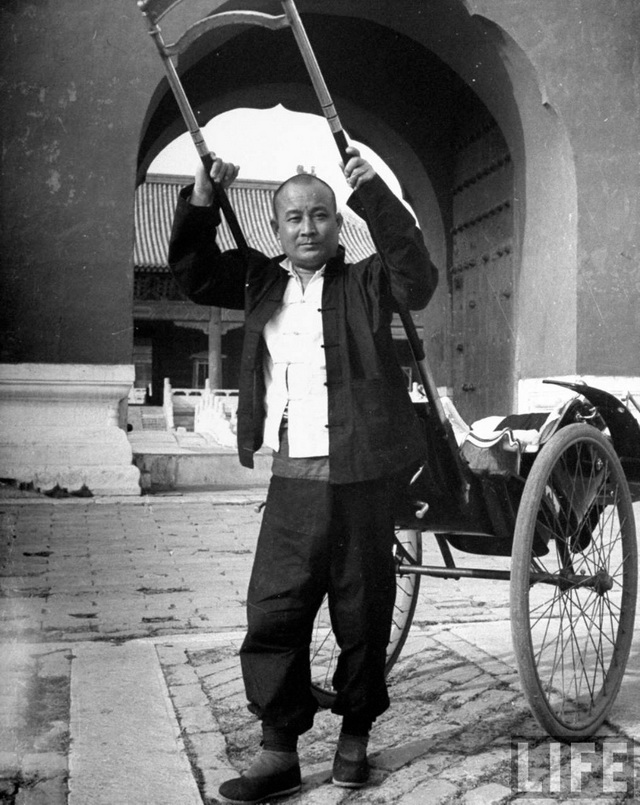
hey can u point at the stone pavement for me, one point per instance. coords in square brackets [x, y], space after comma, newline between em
[120, 622]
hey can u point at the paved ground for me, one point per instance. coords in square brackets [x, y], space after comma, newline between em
[120, 622]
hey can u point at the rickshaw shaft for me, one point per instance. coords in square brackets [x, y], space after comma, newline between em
[454, 573]
[554, 579]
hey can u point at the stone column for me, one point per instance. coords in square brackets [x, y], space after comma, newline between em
[66, 332]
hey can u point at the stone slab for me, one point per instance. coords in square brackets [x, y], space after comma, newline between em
[175, 471]
[125, 738]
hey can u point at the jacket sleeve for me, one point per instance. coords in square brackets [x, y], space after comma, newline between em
[205, 274]
[412, 276]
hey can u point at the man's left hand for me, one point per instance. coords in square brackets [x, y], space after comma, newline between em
[357, 171]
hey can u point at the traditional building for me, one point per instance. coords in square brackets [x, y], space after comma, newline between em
[512, 128]
[186, 342]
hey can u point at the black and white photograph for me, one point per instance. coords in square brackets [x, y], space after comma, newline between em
[319, 402]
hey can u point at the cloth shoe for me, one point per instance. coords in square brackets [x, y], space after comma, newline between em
[245, 790]
[350, 764]
[350, 773]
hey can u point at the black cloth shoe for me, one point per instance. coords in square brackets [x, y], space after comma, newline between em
[350, 773]
[245, 790]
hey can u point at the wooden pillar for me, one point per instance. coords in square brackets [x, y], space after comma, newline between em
[215, 348]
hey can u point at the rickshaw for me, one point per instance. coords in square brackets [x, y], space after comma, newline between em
[557, 500]
[552, 492]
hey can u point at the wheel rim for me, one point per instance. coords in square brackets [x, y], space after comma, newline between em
[579, 589]
[324, 649]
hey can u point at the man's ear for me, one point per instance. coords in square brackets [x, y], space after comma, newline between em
[275, 227]
[340, 220]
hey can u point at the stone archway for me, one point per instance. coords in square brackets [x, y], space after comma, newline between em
[402, 78]
[546, 203]
[84, 112]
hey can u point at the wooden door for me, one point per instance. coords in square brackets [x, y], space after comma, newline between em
[482, 274]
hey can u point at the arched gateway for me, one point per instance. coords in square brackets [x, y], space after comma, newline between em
[521, 172]
[432, 93]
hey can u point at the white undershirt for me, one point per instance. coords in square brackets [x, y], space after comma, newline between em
[294, 369]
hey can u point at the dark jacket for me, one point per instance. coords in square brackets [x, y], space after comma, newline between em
[373, 429]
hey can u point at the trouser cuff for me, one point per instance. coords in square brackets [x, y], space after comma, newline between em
[279, 740]
[356, 725]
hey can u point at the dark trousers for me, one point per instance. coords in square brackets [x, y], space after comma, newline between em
[319, 539]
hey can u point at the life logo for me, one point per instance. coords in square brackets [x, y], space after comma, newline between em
[603, 767]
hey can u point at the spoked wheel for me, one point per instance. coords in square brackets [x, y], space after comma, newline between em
[324, 649]
[573, 581]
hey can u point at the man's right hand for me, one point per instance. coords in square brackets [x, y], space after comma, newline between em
[224, 173]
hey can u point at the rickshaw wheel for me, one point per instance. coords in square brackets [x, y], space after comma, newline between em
[572, 609]
[324, 649]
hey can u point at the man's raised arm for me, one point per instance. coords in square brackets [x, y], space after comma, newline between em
[412, 275]
[205, 274]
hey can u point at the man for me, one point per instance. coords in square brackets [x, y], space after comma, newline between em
[320, 384]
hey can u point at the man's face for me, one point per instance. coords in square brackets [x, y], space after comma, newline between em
[307, 224]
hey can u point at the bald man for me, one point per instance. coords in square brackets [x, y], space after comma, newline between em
[319, 384]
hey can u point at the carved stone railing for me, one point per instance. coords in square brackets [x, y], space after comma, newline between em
[209, 411]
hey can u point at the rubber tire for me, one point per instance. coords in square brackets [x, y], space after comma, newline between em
[324, 649]
[575, 454]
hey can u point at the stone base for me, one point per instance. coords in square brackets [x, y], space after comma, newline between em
[60, 425]
[168, 472]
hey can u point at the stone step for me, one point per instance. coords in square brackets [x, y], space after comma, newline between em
[146, 417]
[181, 459]
[179, 471]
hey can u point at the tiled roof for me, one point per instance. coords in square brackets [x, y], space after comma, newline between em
[156, 201]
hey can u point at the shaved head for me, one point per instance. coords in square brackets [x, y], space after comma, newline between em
[306, 221]
[302, 180]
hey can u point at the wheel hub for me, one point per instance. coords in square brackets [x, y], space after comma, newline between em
[602, 582]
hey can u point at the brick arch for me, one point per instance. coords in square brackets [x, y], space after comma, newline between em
[402, 80]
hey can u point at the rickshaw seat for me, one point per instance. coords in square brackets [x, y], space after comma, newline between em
[494, 445]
